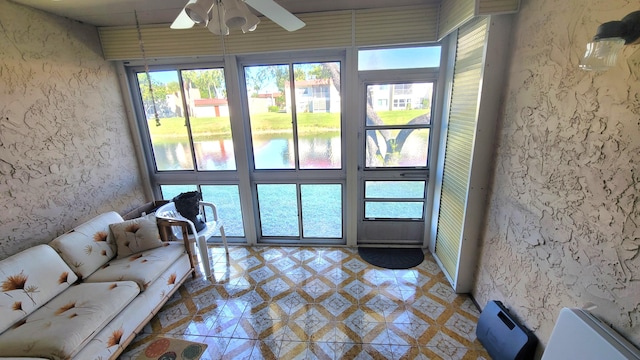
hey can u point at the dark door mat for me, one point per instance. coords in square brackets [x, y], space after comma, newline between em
[392, 258]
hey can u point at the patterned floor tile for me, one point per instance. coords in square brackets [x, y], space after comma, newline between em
[294, 350]
[462, 326]
[446, 347]
[317, 303]
[238, 349]
[265, 350]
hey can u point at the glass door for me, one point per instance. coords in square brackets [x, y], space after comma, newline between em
[397, 133]
[296, 160]
[397, 87]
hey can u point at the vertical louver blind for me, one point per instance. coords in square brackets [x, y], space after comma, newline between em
[461, 129]
[489, 7]
[454, 13]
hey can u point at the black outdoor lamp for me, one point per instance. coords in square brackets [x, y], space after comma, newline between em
[602, 51]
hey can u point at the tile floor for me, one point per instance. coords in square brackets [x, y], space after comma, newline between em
[317, 303]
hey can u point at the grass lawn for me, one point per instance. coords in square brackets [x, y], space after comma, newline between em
[308, 123]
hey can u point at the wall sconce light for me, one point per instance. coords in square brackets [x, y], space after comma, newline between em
[602, 51]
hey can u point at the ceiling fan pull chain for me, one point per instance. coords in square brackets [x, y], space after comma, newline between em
[146, 70]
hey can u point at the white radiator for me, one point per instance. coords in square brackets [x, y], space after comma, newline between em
[580, 335]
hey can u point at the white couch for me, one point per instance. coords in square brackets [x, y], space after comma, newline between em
[74, 299]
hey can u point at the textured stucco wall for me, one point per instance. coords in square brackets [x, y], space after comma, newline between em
[564, 209]
[65, 149]
[562, 222]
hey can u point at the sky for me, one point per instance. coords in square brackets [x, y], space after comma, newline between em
[399, 58]
[376, 59]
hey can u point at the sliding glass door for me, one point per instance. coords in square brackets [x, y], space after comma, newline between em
[188, 137]
[297, 173]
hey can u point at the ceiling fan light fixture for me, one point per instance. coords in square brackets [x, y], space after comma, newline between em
[234, 17]
[252, 21]
[252, 24]
[198, 11]
[215, 25]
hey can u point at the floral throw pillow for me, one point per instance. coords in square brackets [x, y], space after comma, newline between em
[136, 235]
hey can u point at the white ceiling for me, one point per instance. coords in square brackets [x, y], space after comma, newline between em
[121, 12]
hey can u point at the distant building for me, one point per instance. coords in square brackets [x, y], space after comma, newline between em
[391, 97]
[316, 95]
[198, 107]
[210, 108]
[260, 103]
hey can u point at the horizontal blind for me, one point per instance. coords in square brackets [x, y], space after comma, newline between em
[490, 7]
[453, 14]
[121, 43]
[384, 26]
[321, 31]
[399, 25]
[460, 139]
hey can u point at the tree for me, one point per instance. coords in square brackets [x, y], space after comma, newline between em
[209, 82]
[257, 78]
[154, 98]
[393, 144]
[318, 71]
[159, 89]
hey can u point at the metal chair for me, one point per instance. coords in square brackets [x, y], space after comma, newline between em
[179, 225]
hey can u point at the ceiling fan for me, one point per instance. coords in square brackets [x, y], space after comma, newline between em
[221, 15]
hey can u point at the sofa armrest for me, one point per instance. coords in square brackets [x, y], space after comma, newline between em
[166, 233]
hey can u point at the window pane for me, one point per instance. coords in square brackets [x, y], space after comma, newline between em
[322, 210]
[397, 147]
[399, 104]
[399, 58]
[394, 189]
[169, 136]
[278, 205]
[171, 191]
[317, 96]
[393, 210]
[227, 200]
[270, 116]
[206, 97]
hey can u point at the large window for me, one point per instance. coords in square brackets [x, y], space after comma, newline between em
[187, 118]
[269, 148]
[294, 111]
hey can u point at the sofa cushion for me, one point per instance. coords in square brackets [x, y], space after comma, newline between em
[28, 280]
[136, 235]
[143, 267]
[68, 321]
[88, 246]
[138, 312]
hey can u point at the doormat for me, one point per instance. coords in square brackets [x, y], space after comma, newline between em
[169, 349]
[392, 258]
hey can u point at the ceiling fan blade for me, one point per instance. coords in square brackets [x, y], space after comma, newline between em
[183, 21]
[277, 14]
